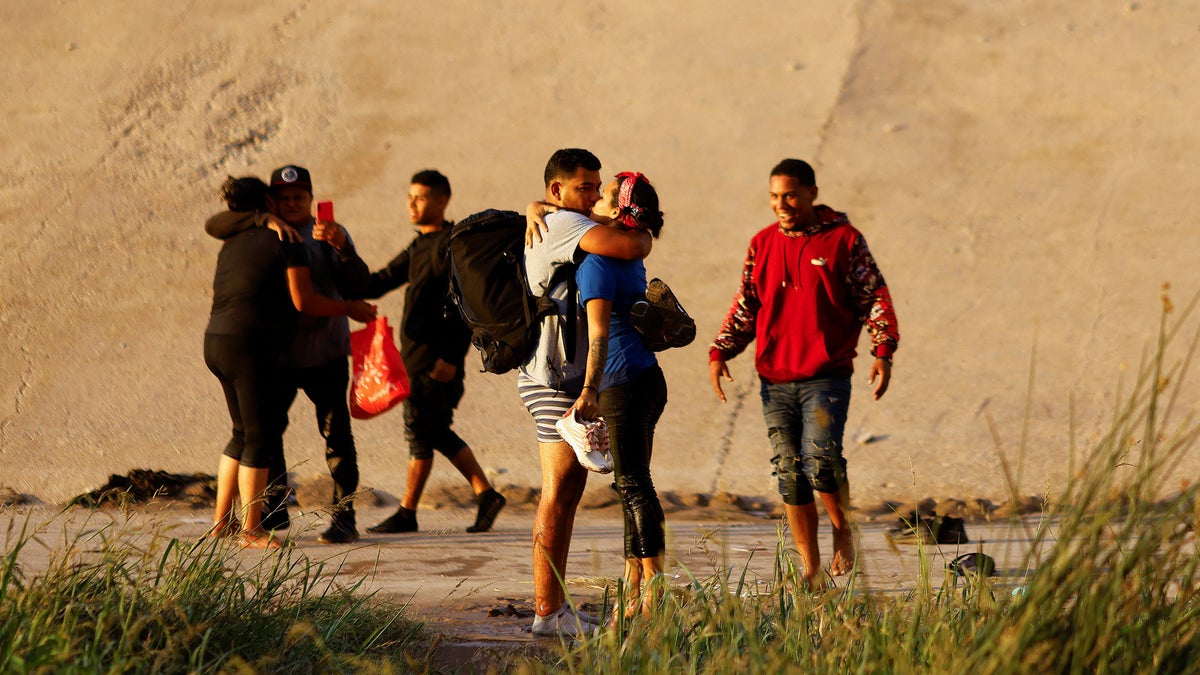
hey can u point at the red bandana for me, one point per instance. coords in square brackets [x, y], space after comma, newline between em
[628, 212]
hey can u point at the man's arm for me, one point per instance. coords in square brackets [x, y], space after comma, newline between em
[871, 298]
[738, 329]
[350, 273]
[452, 342]
[388, 279]
[616, 243]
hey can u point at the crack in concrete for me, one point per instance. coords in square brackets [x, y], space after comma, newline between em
[18, 399]
[738, 398]
[848, 77]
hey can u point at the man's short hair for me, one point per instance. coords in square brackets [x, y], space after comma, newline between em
[565, 162]
[434, 180]
[798, 169]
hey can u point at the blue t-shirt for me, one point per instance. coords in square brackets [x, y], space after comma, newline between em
[619, 281]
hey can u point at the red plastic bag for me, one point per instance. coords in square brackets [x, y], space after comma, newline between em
[380, 380]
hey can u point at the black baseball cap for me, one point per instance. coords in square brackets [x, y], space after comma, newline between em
[291, 174]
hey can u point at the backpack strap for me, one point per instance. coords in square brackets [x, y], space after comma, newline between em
[566, 273]
[515, 256]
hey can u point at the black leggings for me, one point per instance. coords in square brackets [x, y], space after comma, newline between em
[248, 369]
[632, 411]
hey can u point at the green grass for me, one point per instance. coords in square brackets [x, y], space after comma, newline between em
[110, 604]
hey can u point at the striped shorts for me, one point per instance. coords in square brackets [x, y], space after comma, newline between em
[546, 405]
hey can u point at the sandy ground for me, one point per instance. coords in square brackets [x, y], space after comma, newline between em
[1023, 171]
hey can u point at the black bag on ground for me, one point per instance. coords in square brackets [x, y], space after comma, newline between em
[916, 528]
[488, 285]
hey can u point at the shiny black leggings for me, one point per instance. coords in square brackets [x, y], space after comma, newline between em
[632, 410]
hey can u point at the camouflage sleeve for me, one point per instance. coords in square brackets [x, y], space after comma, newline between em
[737, 331]
[873, 302]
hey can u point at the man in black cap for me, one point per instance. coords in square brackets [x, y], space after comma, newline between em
[316, 361]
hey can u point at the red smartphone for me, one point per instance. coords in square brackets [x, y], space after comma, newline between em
[325, 211]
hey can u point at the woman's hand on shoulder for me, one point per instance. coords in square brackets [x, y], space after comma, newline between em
[287, 233]
[535, 221]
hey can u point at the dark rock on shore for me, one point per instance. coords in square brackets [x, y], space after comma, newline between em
[143, 485]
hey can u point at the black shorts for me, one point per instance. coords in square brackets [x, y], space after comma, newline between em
[429, 414]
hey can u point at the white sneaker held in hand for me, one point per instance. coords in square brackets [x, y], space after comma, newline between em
[589, 440]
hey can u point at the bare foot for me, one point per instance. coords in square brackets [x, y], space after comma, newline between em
[815, 583]
[248, 540]
[843, 552]
[803, 582]
[632, 605]
[632, 610]
[617, 617]
[226, 527]
[652, 596]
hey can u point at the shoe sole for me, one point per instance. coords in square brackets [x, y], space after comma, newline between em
[376, 530]
[657, 291]
[662, 297]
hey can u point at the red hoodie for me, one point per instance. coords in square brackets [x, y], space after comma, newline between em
[805, 297]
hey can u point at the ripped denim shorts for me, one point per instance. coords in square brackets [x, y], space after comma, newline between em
[805, 422]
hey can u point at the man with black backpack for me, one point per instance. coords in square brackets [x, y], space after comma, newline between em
[551, 377]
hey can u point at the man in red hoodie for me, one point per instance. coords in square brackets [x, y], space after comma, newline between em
[809, 284]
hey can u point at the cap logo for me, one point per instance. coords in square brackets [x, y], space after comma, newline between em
[289, 174]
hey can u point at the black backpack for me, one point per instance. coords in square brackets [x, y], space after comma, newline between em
[488, 285]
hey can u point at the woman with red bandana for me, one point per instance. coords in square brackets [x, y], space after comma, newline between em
[624, 383]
